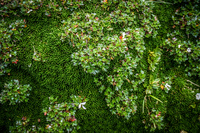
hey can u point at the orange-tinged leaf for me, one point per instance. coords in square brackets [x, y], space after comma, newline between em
[76, 26]
[47, 126]
[106, 1]
[24, 118]
[190, 13]
[162, 87]
[96, 18]
[128, 80]
[118, 114]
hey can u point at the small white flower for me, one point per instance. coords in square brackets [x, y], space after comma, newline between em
[189, 50]
[30, 11]
[198, 96]
[174, 38]
[179, 46]
[167, 86]
[10, 55]
[81, 104]
[123, 36]
[33, 127]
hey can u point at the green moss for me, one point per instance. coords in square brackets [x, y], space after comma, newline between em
[58, 77]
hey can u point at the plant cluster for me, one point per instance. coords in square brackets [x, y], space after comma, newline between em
[58, 7]
[10, 34]
[122, 103]
[61, 116]
[23, 126]
[187, 18]
[155, 120]
[98, 44]
[25, 6]
[157, 103]
[15, 93]
[185, 53]
[153, 59]
[186, 25]
[155, 96]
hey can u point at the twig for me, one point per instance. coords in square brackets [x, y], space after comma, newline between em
[146, 105]
[2, 11]
[34, 50]
[192, 83]
[143, 105]
[156, 98]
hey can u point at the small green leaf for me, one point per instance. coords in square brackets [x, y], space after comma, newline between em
[110, 29]
[102, 88]
[9, 93]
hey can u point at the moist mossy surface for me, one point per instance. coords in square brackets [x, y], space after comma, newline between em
[58, 77]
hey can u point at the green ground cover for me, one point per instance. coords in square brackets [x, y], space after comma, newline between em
[105, 54]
